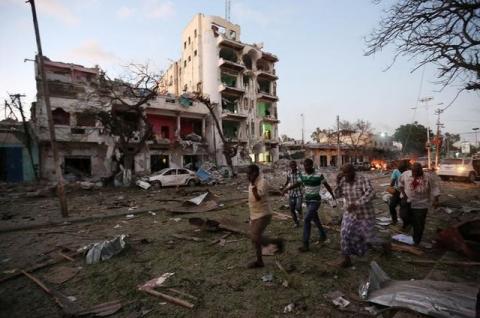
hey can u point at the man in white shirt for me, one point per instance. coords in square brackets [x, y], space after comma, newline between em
[418, 189]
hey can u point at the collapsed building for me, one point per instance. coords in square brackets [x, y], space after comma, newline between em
[240, 78]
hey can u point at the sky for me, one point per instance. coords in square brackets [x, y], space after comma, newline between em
[320, 44]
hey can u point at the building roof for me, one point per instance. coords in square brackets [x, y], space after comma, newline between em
[71, 66]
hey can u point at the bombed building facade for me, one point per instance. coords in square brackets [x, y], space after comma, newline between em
[240, 78]
[179, 128]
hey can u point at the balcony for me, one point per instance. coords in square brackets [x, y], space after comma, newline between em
[230, 65]
[230, 85]
[261, 74]
[173, 105]
[271, 119]
[222, 40]
[265, 96]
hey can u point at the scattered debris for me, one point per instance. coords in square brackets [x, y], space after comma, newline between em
[130, 216]
[152, 213]
[143, 184]
[102, 251]
[406, 248]
[444, 210]
[204, 207]
[61, 274]
[407, 239]
[289, 308]
[267, 278]
[62, 301]
[175, 219]
[445, 299]
[198, 199]
[157, 281]
[270, 249]
[102, 310]
[149, 288]
[188, 238]
[336, 297]
[72, 298]
[117, 226]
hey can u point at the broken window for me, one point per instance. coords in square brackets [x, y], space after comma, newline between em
[189, 41]
[159, 162]
[228, 79]
[246, 81]
[230, 129]
[229, 104]
[247, 61]
[85, 120]
[165, 132]
[195, 33]
[77, 131]
[263, 66]
[217, 29]
[78, 166]
[191, 162]
[267, 131]
[184, 45]
[60, 117]
[195, 53]
[264, 109]
[264, 86]
[228, 54]
[189, 58]
[185, 63]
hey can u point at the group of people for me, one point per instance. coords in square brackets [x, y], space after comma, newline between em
[358, 222]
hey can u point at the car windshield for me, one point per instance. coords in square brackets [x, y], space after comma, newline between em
[451, 161]
[163, 171]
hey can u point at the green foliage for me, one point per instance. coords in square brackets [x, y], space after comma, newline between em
[413, 138]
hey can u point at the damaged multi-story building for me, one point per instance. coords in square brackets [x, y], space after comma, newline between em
[240, 78]
[180, 128]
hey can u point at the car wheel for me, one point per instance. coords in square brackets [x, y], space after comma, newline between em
[191, 183]
[472, 176]
[444, 178]
[157, 183]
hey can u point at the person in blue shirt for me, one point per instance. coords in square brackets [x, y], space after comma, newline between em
[394, 179]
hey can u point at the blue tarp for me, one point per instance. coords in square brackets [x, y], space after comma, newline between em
[203, 175]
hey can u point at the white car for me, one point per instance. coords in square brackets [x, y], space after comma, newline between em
[173, 177]
[463, 168]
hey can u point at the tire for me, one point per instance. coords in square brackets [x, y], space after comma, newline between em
[191, 183]
[157, 183]
[472, 176]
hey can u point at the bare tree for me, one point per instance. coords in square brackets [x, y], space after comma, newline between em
[27, 136]
[122, 111]
[230, 149]
[356, 135]
[323, 136]
[446, 33]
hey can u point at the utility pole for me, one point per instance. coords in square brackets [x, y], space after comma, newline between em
[476, 136]
[425, 100]
[438, 140]
[338, 142]
[17, 101]
[51, 127]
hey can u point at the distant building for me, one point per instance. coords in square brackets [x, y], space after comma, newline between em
[239, 77]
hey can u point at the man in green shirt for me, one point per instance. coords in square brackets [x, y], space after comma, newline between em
[311, 181]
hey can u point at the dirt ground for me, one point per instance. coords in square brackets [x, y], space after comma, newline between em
[213, 273]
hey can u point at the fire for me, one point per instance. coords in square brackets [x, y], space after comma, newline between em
[379, 164]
